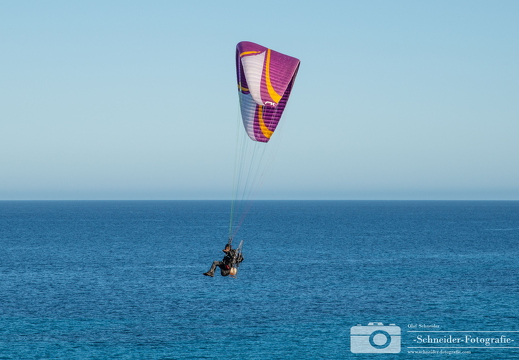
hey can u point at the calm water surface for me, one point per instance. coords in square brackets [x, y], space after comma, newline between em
[123, 280]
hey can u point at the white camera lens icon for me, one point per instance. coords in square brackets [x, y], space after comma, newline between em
[375, 338]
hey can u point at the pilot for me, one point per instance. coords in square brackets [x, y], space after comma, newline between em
[226, 264]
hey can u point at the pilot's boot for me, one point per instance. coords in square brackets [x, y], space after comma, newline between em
[213, 268]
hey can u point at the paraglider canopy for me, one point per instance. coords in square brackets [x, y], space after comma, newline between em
[265, 79]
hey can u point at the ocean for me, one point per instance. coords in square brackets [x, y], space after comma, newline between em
[123, 280]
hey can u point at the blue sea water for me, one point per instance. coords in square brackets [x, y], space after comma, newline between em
[123, 279]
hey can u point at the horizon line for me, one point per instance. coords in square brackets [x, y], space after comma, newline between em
[255, 200]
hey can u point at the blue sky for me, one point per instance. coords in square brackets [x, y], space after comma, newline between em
[137, 99]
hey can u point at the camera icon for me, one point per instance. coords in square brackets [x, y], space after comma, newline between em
[375, 338]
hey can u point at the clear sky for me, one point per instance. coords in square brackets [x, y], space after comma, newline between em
[137, 99]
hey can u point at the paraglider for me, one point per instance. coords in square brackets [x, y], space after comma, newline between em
[265, 79]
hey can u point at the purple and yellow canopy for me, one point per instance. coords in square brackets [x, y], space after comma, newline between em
[265, 80]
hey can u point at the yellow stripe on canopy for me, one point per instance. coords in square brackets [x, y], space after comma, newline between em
[264, 129]
[273, 94]
[249, 52]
